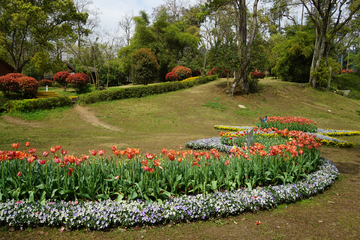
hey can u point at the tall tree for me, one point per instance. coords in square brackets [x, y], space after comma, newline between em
[27, 27]
[328, 18]
[245, 40]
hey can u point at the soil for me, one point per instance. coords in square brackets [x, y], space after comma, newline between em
[88, 116]
[21, 122]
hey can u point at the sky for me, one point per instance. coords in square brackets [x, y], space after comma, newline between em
[113, 10]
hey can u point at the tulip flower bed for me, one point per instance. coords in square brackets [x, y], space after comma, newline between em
[127, 189]
[100, 215]
[289, 123]
[131, 176]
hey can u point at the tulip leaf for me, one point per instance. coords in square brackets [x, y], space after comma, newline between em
[40, 186]
[133, 195]
[53, 193]
[31, 196]
[101, 196]
[84, 195]
[119, 198]
[213, 185]
[43, 198]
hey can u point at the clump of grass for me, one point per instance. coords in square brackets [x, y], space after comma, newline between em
[39, 115]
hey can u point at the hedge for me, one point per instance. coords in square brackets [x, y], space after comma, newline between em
[28, 105]
[141, 91]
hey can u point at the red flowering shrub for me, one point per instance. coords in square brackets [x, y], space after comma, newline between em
[9, 83]
[350, 71]
[342, 71]
[196, 73]
[257, 74]
[28, 86]
[182, 72]
[78, 80]
[171, 77]
[45, 82]
[60, 78]
[219, 72]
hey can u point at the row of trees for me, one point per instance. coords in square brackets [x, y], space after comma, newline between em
[239, 35]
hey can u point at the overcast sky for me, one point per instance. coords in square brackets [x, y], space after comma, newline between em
[113, 10]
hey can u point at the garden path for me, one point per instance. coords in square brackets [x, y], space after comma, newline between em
[90, 117]
[18, 121]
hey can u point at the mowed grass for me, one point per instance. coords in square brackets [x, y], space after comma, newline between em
[172, 119]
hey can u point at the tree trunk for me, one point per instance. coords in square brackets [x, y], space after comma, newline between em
[244, 46]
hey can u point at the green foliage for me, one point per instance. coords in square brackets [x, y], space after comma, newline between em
[29, 27]
[295, 56]
[141, 91]
[112, 74]
[145, 67]
[29, 105]
[346, 81]
[321, 74]
[170, 41]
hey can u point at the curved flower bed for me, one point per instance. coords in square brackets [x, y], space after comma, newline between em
[324, 135]
[100, 215]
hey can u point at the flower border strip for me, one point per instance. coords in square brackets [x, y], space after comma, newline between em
[100, 215]
[325, 135]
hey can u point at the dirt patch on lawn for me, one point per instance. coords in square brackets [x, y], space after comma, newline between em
[90, 117]
[18, 121]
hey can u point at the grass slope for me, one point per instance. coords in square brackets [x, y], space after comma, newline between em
[172, 119]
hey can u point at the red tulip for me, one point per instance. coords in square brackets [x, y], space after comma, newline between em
[86, 157]
[113, 148]
[32, 150]
[57, 159]
[58, 147]
[149, 156]
[19, 174]
[101, 152]
[42, 161]
[30, 159]
[53, 150]
[63, 152]
[93, 152]
[45, 153]
[227, 162]
[27, 144]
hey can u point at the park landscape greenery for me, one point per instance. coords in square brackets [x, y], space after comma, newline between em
[110, 174]
[166, 156]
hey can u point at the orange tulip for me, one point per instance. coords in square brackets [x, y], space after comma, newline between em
[27, 144]
[93, 152]
[113, 148]
[15, 145]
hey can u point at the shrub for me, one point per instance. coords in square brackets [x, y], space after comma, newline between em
[145, 67]
[28, 86]
[78, 80]
[60, 78]
[171, 77]
[141, 91]
[196, 73]
[9, 83]
[28, 105]
[350, 71]
[321, 74]
[342, 71]
[257, 74]
[182, 72]
[220, 72]
[45, 82]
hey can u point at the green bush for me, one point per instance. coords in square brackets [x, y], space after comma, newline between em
[346, 81]
[141, 91]
[145, 68]
[28, 105]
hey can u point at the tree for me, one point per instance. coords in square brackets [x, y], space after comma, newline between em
[27, 27]
[145, 66]
[328, 18]
[245, 40]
